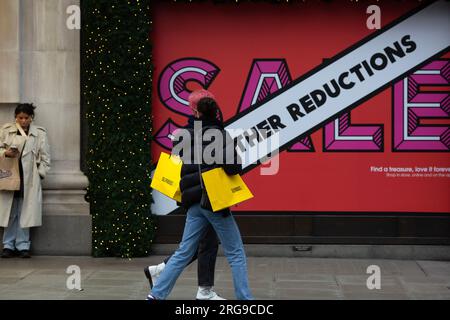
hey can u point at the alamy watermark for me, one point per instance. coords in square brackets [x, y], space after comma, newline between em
[212, 146]
[73, 21]
[374, 20]
[374, 280]
[74, 280]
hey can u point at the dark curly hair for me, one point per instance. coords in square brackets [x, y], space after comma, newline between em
[27, 108]
[209, 108]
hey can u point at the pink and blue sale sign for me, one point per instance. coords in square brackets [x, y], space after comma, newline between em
[357, 118]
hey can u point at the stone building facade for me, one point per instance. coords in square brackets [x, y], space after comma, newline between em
[40, 63]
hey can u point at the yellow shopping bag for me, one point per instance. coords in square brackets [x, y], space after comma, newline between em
[224, 190]
[167, 176]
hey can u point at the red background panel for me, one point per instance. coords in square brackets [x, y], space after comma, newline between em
[232, 35]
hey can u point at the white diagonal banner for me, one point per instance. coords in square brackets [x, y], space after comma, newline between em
[354, 75]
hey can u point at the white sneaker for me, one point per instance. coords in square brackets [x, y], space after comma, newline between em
[155, 271]
[152, 272]
[207, 293]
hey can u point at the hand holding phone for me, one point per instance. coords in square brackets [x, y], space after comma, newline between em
[12, 152]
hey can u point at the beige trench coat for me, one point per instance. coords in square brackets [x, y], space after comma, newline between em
[35, 163]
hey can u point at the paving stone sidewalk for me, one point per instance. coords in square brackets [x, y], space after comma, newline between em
[45, 277]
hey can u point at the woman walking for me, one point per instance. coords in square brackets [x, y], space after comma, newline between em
[206, 112]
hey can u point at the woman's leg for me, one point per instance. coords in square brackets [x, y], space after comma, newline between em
[10, 232]
[194, 257]
[193, 230]
[207, 253]
[230, 237]
[23, 234]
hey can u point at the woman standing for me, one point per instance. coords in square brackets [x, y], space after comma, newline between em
[22, 209]
[198, 217]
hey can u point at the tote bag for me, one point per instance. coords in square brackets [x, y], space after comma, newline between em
[9, 167]
[167, 176]
[9, 174]
[224, 190]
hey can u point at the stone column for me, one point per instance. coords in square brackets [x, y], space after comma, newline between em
[50, 78]
[9, 62]
[9, 55]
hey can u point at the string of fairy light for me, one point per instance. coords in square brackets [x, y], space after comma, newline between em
[117, 79]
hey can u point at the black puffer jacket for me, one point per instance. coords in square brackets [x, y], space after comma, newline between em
[191, 190]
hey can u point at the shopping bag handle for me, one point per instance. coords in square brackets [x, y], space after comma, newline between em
[21, 131]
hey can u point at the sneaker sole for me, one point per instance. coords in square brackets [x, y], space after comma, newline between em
[209, 299]
[149, 277]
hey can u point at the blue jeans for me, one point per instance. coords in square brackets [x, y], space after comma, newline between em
[227, 230]
[14, 236]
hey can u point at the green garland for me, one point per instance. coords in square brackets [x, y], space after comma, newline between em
[116, 93]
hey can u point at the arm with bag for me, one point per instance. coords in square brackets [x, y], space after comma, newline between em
[9, 166]
[232, 163]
